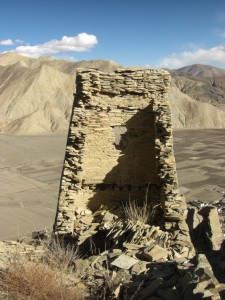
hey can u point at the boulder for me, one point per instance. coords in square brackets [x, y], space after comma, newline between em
[211, 227]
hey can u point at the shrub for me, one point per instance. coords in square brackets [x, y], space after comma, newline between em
[37, 281]
[60, 256]
[43, 279]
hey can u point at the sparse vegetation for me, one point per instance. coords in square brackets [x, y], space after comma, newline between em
[60, 256]
[37, 281]
[144, 213]
[134, 212]
[51, 275]
[43, 279]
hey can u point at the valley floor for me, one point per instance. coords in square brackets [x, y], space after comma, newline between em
[30, 170]
[200, 160]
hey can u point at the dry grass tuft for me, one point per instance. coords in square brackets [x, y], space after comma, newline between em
[37, 281]
[136, 213]
[144, 213]
[44, 279]
[60, 256]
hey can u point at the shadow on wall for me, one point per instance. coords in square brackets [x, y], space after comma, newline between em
[135, 177]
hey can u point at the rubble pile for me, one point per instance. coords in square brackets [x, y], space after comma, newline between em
[121, 232]
[118, 275]
[137, 260]
[10, 249]
[139, 263]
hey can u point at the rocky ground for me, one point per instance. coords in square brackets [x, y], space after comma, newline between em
[127, 259]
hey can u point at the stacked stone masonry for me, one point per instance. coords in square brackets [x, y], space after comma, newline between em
[120, 148]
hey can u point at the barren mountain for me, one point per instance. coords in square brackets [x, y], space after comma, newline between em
[10, 58]
[36, 95]
[199, 70]
[188, 113]
[202, 83]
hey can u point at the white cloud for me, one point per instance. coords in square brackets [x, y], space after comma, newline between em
[201, 56]
[7, 42]
[18, 41]
[79, 43]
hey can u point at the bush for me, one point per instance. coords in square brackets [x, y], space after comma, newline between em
[60, 256]
[30, 280]
[44, 279]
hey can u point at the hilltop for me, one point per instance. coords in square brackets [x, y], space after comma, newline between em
[203, 83]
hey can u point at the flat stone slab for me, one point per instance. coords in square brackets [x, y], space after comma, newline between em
[124, 262]
[155, 254]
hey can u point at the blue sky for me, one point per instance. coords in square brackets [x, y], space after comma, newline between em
[159, 33]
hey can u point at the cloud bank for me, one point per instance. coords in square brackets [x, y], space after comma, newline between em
[201, 56]
[79, 43]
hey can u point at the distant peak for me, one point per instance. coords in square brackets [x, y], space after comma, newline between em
[12, 54]
[46, 58]
[199, 70]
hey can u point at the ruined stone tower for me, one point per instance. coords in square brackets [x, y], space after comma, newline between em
[120, 146]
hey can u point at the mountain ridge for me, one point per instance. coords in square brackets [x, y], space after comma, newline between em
[198, 70]
[208, 86]
[36, 95]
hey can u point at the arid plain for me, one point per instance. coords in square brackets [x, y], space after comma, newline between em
[30, 170]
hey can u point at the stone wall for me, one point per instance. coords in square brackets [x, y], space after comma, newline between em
[120, 147]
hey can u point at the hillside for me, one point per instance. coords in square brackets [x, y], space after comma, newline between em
[188, 113]
[36, 95]
[202, 83]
